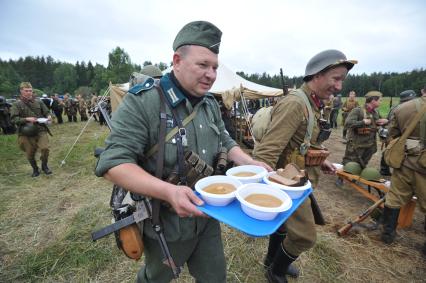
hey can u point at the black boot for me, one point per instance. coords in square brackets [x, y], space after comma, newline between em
[384, 168]
[276, 272]
[35, 168]
[274, 245]
[390, 221]
[45, 168]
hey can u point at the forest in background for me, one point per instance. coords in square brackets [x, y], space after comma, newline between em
[48, 75]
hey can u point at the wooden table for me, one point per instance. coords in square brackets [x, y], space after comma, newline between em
[364, 187]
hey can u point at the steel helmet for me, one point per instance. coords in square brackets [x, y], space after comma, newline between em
[407, 95]
[371, 174]
[29, 130]
[152, 71]
[327, 59]
[352, 168]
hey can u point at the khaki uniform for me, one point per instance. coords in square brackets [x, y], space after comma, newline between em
[196, 241]
[410, 179]
[82, 109]
[19, 111]
[328, 106]
[278, 147]
[70, 107]
[361, 147]
[347, 107]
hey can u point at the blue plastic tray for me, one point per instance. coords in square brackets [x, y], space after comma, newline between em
[236, 218]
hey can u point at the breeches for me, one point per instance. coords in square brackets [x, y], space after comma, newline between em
[360, 155]
[29, 145]
[404, 184]
[203, 254]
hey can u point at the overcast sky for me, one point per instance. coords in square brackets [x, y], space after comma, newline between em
[258, 36]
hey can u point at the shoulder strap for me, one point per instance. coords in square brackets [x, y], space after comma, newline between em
[416, 119]
[307, 140]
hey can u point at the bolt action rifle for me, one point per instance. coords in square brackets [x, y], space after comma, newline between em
[283, 83]
[345, 229]
[129, 220]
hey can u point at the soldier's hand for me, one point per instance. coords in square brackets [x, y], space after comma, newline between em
[262, 164]
[367, 121]
[31, 119]
[184, 202]
[382, 122]
[328, 168]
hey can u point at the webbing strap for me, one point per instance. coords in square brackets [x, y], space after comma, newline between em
[171, 134]
[422, 122]
[307, 140]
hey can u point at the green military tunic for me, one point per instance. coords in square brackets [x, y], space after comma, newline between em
[347, 107]
[361, 147]
[196, 241]
[278, 147]
[410, 179]
[21, 110]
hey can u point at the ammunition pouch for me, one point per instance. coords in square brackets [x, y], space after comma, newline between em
[413, 147]
[365, 131]
[315, 157]
[195, 169]
[221, 162]
[129, 238]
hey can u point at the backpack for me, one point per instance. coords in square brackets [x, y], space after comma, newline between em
[263, 117]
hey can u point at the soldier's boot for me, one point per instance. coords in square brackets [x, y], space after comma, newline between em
[45, 168]
[384, 168]
[274, 245]
[390, 221]
[277, 270]
[36, 172]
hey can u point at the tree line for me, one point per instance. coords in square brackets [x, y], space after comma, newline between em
[48, 75]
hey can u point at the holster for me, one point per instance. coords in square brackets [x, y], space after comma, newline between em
[129, 238]
[315, 157]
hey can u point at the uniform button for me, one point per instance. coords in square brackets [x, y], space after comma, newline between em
[204, 151]
[201, 126]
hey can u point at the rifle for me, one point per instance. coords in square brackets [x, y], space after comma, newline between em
[142, 211]
[283, 83]
[345, 229]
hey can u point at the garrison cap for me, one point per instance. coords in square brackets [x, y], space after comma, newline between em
[25, 85]
[200, 33]
[326, 60]
[373, 93]
[152, 71]
[407, 95]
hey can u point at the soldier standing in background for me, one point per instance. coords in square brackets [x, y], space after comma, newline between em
[410, 178]
[93, 106]
[362, 124]
[32, 134]
[347, 107]
[70, 108]
[288, 139]
[5, 124]
[328, 106]
[57, 108]
[82, 108]
[337, 104]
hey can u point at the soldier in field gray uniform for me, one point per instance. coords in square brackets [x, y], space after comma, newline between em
[192, 238]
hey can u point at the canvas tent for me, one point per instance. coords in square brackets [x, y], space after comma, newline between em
[228, 85]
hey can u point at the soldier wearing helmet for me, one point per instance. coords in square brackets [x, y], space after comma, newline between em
[289, 139]
[32, 133]
[152, 71]
[362, 124]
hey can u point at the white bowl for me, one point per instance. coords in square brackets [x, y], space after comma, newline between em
[260, 172]
[261, 212]
[217, 199]
[293, 192]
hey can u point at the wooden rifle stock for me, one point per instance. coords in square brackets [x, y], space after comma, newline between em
[345, 229]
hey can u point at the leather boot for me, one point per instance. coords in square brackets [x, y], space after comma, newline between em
[275, 273]
[35, 168]
[45, 168]
[390, 221]
[274, 245]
